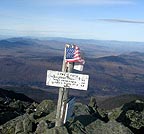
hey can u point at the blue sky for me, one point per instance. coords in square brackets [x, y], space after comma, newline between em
[88, 19]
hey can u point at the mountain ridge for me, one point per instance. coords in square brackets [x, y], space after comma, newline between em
[111, 73]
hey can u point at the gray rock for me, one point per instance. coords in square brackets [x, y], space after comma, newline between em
[32, 108]
[19, 127]
[44, 108]
[18, 105]
[27, 124]
[132, 115]
[80, 109]
[77, 128]
[129, 115]
[112, 127]
[50, 117]
[9, 127]
[57, 130]
[41, 128]
[136, 119]
[114, 113]
[21, 124]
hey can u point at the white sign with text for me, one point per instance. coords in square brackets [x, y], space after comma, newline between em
[67, 80]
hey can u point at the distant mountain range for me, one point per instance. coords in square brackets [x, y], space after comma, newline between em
[104, 45]
[90, 47]
[114, 67]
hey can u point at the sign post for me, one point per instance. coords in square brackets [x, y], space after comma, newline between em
[67, 79]
[63, 93]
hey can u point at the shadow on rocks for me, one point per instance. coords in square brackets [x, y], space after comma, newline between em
[132, 116]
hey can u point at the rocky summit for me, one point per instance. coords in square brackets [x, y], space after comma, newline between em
[21, 117]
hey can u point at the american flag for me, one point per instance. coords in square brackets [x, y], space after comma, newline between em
[73, 54]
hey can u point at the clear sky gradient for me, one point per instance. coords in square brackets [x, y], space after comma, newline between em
[87, 19]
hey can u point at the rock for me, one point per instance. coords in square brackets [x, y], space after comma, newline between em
[11, 108]
[77, 128]
[50, 117]
[19, 127]
[41, 128]
[32, 108]
[44, 108]
[7, 114]
[80, 109]
[92, 106]
[93, 103]
[112, 127]
[136, 105]
[132, 116]
[9, 127]
[127, 119]
[21, 124]
[136, 119]
[1, 100]
[57, 130]
[17, 105]
[27, 124]
[114, 113]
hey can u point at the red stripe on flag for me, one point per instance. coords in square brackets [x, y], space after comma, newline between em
[77, 56]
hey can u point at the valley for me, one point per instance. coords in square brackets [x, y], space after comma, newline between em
[24, 62]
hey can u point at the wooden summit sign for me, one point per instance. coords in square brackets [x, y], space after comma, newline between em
[67, 80]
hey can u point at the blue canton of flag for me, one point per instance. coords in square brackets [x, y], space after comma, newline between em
[70, 53]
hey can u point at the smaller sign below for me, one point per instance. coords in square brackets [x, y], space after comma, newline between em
[67, 80]
[78, 66]
[69, 109]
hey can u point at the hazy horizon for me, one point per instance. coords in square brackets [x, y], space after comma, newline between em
[3, 37]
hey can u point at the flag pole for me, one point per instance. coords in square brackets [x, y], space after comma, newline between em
[63, 93]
